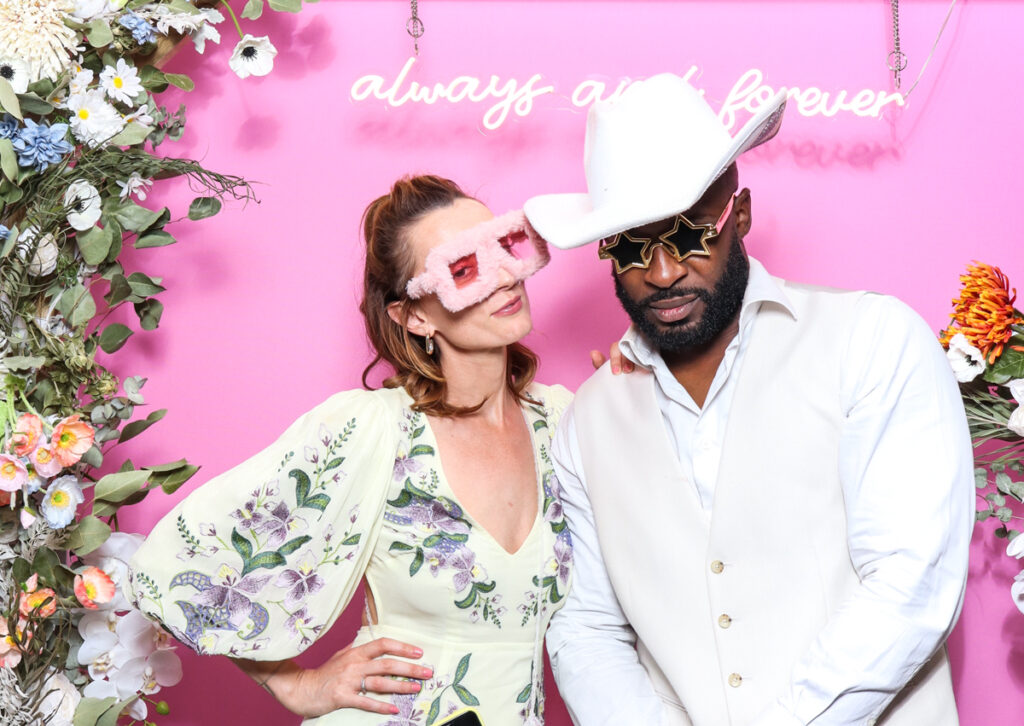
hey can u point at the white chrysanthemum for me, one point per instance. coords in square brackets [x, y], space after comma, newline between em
[121, 82]
[93, 120]
[166, 19]
[136, 185]
[206, 31]
[253, 57]
[82, 202]
[80, 82]
[966, 361]
[16, 72]
[34, 31]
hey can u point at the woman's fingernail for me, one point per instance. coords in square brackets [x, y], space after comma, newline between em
[615, 370]
[394, 710]
[418, 652]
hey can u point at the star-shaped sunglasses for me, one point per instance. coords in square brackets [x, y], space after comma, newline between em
[685, 239]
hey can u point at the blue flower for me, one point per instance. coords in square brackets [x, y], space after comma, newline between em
[61, 501]
[39, 145]
[8, 127]
[142, 31]
[4, 232]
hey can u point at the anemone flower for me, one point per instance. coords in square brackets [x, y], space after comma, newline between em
[252, 57]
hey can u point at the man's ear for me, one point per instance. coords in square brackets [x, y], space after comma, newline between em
[741, 212]
[411, 318]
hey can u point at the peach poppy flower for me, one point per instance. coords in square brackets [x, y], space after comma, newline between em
[32, 598]
[13, 473]
[71, 439]
[44, 462]
[28, 431]
[10, 653]
[93, 587]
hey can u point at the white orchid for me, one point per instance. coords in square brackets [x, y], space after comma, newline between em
[253, 57]
[83, 205]
[966, 360]
[136, 185]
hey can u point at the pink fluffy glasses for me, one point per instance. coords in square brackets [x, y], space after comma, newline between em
[467, 269]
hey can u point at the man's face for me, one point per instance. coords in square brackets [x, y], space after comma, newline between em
[681, 307]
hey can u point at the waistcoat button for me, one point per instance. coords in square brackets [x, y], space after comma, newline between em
[717, 566]
[724, 621]
[735, 679]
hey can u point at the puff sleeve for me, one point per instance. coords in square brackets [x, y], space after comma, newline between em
[261, 560]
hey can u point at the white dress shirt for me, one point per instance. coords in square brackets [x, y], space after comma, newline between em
[592, 645]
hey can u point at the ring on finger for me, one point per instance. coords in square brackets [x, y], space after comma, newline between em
[362, 686]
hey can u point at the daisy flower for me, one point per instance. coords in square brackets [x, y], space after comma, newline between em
[93, 120]
[253, 57]
[121, 82]
[62, 499]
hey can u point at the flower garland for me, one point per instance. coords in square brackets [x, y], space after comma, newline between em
[80, 124]
[985, 347]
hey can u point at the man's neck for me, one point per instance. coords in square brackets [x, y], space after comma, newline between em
[695, 370]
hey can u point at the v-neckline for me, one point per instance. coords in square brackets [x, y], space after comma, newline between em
[475, 523]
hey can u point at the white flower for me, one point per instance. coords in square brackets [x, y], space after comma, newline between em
[82, 202]
[44, 259]
[1016, 547]
[80, 82]
[253, 57]
[121, 82]
[61, 701]
[15, 71]
[1017, 589]
[966, 361]
[1016, 421]
[113, 557]
[140, 115]
[93, 120]
[206, 31]
[34, 31]
[136, 185]
[89, 9]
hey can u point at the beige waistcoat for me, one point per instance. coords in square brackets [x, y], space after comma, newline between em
[772, 555]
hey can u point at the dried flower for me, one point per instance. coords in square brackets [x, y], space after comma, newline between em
[34, 31]
[984, 311]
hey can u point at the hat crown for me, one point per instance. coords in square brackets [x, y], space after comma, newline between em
[658, 140]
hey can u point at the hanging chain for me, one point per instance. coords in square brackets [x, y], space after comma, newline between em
[897, 60]
[414, 26]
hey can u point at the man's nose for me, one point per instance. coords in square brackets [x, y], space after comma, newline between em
[665, 270]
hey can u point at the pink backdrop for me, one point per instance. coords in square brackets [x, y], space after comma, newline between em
[261, 320]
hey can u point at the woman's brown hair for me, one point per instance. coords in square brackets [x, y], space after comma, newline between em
[389, 266]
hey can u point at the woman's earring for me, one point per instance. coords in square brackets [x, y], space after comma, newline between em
[429, 345]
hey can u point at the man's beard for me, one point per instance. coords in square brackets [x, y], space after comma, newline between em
[721, 305]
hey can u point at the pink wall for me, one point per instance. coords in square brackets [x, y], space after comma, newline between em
[261, 319]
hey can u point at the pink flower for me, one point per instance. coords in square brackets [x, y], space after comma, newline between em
[27, 434]
[32, 598]
[10, 653]
[13, 473]
[44, 462]
[71, 439]
[93, 587]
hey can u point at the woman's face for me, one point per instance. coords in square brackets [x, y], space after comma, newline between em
[499, 320]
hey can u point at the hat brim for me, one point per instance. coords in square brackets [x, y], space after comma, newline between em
[570, 220]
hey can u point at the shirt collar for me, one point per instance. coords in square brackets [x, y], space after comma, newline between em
[761, 288]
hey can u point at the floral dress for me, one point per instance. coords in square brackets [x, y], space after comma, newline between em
[270, 553]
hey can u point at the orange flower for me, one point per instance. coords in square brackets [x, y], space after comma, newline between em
[984, 311]
[27, 433]
[71, 438]
[32, 598]
[93, 587]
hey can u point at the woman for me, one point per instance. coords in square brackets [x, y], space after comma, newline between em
[437, 489]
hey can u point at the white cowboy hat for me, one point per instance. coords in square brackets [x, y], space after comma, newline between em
[650, 154]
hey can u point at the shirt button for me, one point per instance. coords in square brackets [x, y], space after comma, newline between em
[717, 566]
[724, 621]
[735, 679]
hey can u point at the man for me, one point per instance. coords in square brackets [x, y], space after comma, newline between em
[771, 516]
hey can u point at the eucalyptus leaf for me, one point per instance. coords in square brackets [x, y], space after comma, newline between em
[93, 456]
[180, 80]
[132, 385]
[135, 218]
[171, 481]
[1003, 483]
[31, 103]
[1017, 490]
[77, 306]
[90, 533]
[114, 336]
[133, 133]
[159, 238]
[203, 207]
[8, 159]
[90, 710]
[253, 9]
[120, 290]
[169, 466]
[117, 487]
[981, 477]
[98, 33]
[9, 99]
[143, 285]
[94, 244]
[153, 79]
[287, 6]
[149, 313]
[130, 431]
[181, 6]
